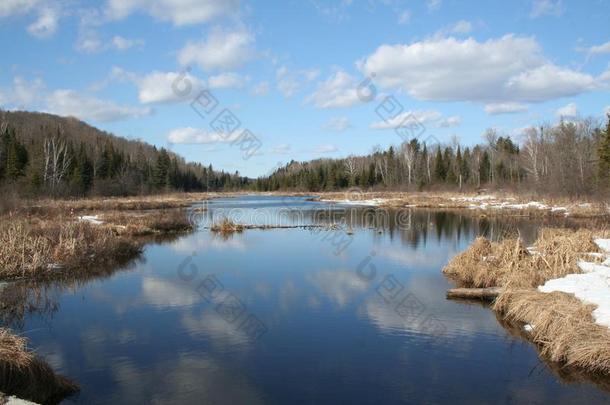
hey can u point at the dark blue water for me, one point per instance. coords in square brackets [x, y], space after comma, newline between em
[355, 313]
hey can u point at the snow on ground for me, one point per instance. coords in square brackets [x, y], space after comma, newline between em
[591, 287]
[91, 218]
[373, 202]
[484, 202]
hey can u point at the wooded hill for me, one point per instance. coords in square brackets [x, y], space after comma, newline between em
[569, 158]
[44, 154]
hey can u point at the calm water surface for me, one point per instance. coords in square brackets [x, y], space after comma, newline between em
[294, 315]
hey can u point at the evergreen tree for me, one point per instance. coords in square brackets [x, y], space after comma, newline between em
[603, 152]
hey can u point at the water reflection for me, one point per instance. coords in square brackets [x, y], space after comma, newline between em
[146, 334]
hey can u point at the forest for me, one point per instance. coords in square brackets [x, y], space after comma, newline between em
[47, 155]
[570, 158]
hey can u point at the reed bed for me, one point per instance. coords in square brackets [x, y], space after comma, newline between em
[25, 375]
[562, 326]
[226, 227]
[145, 223]
[31, 247]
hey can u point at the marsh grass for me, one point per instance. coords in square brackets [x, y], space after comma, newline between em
[226, 227]
[33, 247]
[144, 223]
[563, 326]
[25, 375]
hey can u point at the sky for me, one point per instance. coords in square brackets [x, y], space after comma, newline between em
[248, 85]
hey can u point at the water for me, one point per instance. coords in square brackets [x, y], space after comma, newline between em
[324, 320]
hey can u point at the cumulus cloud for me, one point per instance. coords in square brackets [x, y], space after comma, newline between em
[86, 107]
[338, 91]
[568, 111]
[509, 68]
[289, 81]
[228, 80]
[46, 23]
[337, 124]
[600, 49]
[221, 50]
[504, 108]
[190, 135]
[428, 117]
[541, 8]
[48, 14]
[179, 12]
[164, 87]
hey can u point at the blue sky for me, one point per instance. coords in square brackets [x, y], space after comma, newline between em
[290, 70]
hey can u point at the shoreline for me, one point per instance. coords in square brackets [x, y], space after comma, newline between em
[554, 291]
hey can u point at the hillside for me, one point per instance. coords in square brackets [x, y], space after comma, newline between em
[45, 154]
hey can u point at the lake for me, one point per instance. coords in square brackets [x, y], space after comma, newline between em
[312, 312]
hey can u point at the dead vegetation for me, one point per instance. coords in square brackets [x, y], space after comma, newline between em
[509, 264]
[25, 375]
[144, 223]
[226, 227]
[33, 247]
[563, 327]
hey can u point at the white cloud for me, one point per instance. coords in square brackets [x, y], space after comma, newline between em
[48, 14]
[433, 5]
[179, 12]
[261, 89]
[71, 103]
[46, 23]
[427, 117]
[509, 68]
[607, 110]
[338, 91]
[546, 7]
[289, 82]
[504, 108]
[338, 124]
[228, 80]
[164, 87]
[404, 17]
[462, 27]
[600, 49]
[123, 44]
[221, 50]
[24, 94]
[190, 135]
[568, 111]
[328, 148]
[14, 7]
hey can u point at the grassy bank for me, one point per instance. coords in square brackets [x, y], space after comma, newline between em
[562, 325]
[25, 375]
[492, 203]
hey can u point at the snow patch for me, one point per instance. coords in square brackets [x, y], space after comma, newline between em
[591, 287]
[603, 244]
[528, 327]
[91, 219]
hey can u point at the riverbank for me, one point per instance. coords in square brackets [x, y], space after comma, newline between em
[492, 203]
[25, 375]
[556, 290]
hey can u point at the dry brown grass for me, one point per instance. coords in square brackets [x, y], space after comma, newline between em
[25, 375]
[226, 227]
[508, 263]
[143, 223]
[30, 247]
[563, 327]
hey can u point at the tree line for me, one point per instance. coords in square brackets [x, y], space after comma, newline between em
[42, 154]
[568, 158]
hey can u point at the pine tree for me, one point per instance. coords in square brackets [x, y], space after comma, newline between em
[161, 172]
[603, 152]
[439, 166]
